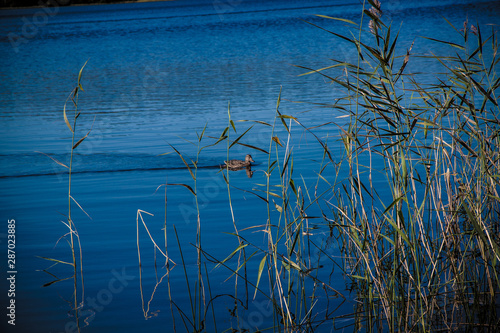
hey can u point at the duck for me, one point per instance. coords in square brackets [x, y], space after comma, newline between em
[239, 164]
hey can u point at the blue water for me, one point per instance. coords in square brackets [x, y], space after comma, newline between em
[156, 74]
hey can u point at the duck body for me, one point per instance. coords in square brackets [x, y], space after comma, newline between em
[239, 164]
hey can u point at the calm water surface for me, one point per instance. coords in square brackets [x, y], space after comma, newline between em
[156, 74]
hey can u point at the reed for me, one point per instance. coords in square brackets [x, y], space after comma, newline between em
[423, 256]
[72, 237]
[411, 203]
[286, 268]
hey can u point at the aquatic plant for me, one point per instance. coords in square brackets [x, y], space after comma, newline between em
[409, 211]
[72, 237]
[422, 256]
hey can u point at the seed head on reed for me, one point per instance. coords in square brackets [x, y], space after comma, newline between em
[373, 27]
[376, 12]
[473, 29]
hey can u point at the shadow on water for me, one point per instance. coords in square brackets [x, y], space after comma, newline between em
[38, 164]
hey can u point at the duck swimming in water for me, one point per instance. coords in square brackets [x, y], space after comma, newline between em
[239, 164]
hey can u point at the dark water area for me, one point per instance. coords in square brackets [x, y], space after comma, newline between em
[157, 73]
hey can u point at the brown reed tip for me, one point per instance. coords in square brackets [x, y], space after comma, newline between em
[473, 29]
[376, 12]
[373, 27]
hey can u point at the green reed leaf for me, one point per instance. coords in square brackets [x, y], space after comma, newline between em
[184, 161]
[232, 125]
[277, 140]
[290, 264]
[80, 75]
[185, 185]
[404, 171]
[53, 159]
[331, 32]
[398, 230]
[81, 140]
[292, 248]
[238, 138]
[253, 147]
[285, 116]
[241, 246]
[483, 92]
[274, 194]
[55, 260]
[278, 207]
[259, 273]
[337, 19]
[200, 137]
[343, 64]
[445, 42]
[256, 121]
[66, 119]
[55, 281]
[292, 185]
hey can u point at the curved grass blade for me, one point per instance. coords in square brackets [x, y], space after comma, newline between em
[259, 274]
[80, 75]
[81, 140]
[55, 281]
[55, 260]
[241, 246]
[185, 163]
[277, 140]
[445, 42]
[186, 186]
[253, 147]
[53, 159]
[66, 118]
[238, 138]
[337, 19]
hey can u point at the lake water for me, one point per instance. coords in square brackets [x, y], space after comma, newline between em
[156, 74]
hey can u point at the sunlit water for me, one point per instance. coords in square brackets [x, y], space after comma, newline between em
[157, 73]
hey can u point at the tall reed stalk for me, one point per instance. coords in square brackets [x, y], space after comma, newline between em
[76, 263]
